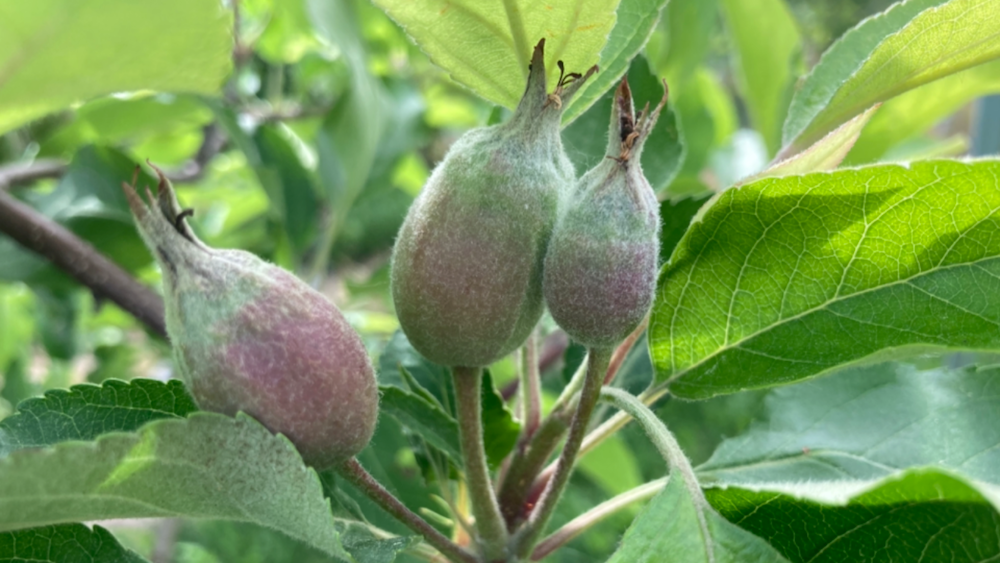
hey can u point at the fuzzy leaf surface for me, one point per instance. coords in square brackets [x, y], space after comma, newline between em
[204, 466]
[667, 531]
[787, 278]
[918, 515]
[62, 543]
[54, 53]
[633, 26]
[910, 44]
[867, 423]
[487, 46]
[84, 412]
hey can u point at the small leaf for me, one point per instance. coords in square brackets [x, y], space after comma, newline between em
[826, 154]
[398, 355]
[919, 515]
[788, 278]
[57, 52]
[586, 139]
[635, 22]
[204, 466]
[84, 412]
[500, 430]
[768, 49]
[667, 531]
[431, 423]
[63, 543]
[487, 47]
[910, 44]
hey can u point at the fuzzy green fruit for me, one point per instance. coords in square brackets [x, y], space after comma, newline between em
[467, 265]
[600, 269]
[249, 336]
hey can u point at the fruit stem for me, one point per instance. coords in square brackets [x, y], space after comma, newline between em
[597, 366]
[531, 388]
[358, 476]
[526, 465]
[489, 524]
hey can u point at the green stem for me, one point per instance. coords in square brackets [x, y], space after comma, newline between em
[531, 387]
[667, 446]
[597, 367]
[581, 523]
[526, 465]
[489, 524]
[360, 478]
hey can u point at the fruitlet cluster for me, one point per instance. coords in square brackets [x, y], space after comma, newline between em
[250, 336]
[503, 226]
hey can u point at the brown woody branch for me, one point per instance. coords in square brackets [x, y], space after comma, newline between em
[79, 259]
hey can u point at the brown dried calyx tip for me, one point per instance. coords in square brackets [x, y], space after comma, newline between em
[568, 82]
[630, 127]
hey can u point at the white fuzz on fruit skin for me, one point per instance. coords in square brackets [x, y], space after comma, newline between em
[249, 336]
[600, 268]
[467, 265]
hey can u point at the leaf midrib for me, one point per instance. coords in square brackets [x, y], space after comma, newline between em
[821, 307]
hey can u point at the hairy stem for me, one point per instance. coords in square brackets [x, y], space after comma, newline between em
[489, 524]
[360, 478]
[597, 366]
[667, 446]
[526, 465]
[581, 523]
[80, 260]
[531, 388]
[601, 433]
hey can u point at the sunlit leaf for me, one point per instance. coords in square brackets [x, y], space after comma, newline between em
[57, 52]
[787, 278]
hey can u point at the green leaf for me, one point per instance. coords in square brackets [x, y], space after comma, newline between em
[635, 22]
[487, 47]
[290, 186]
[63, 543]
[425, 418]
[867, 423]
[84, 412]
[787, 278]
[919, 515]
[826, 154]
[500, 430]
[399, 356]
[916, 111]
[586, 139]
[88, 200]
[910, 44]
[204, 466]
[768, 49]
[58, 52]
[667, 531]
[688, 29]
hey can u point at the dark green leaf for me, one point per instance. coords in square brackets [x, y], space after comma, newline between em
[500, 430]
[62, 544]
[919, 515]
[290, 186]
[84, 412]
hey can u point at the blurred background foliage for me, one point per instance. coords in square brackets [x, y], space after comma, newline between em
[323, 134]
